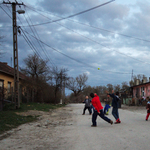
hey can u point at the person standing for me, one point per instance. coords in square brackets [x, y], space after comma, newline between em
[87, 102]
[98, 110]
[107, 106]
[148, 109]
[114, 105]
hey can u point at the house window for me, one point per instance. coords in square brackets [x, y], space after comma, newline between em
[1, 83]
[143, 92]
[9, 87]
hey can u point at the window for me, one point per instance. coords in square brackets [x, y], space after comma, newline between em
[1, 83]
[9, 87]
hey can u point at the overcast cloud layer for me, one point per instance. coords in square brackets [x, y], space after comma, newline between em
[84, 37]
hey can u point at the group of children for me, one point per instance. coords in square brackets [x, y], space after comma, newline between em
[98, 108]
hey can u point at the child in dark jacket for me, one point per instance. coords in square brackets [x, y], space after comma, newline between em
[148, 109]
[114, 105]
[87, 102]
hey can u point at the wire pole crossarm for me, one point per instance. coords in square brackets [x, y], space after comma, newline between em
[13, 2]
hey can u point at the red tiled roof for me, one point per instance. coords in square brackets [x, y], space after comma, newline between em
[4, 68]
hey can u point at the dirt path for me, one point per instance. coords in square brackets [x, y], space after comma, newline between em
[67, 129]
[44, 134]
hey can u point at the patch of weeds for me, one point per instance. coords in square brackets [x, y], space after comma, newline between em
[9, 119]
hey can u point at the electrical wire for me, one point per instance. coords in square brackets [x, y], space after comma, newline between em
[73, 31]
[75, 14]
[6, 12]
[41, 45]
[72, 57]
[98, 28]
[36, 36]
[101, 44]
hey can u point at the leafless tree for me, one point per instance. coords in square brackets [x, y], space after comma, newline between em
[37, 71]
[1, 53]
[35, 67]
[117, 88]
[109, 87]
[77, 85]
[125, 86]
[59, 79]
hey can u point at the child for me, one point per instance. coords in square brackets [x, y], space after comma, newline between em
[98, 110]
[148, 109]
[114, 105]
[107, 106]
[87, 102]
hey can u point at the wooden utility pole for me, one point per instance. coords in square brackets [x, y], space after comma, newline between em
[15, 52]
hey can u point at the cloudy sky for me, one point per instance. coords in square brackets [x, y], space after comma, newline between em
[114, 37]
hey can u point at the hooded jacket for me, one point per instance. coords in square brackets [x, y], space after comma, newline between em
[114, 100]
[96, 103]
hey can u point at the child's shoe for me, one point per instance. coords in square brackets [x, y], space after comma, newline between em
[117, 121]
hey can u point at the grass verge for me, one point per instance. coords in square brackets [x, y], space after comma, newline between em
[9, 119]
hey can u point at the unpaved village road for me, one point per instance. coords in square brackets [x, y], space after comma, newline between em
[67, 129]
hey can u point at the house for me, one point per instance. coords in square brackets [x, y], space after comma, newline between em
[7, 79]
[141, 90]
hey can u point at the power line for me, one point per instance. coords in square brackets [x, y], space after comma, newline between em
[75, 14]
[29, 43]
[41, 45]
[97, 43]
[36, 35]
[98, 28]
[102, 44]
[72, 57]
[6, 12]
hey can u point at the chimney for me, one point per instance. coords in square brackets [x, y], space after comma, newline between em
[137, 81]
[144, 79]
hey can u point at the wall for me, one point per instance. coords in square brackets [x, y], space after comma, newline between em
[146, 90]
[7, 78]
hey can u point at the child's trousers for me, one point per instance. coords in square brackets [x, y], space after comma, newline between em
[147, 116]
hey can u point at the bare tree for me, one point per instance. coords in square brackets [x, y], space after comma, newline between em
[35, 66]
[1, 53]
[125, 86]
[109, 87]
[117, 87]
[37, 71]
[77, 85]
[59, 79]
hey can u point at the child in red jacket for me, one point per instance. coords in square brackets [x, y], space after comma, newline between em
[98, 110]
[148, 109]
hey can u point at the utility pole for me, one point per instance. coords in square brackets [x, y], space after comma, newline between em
[15, 52]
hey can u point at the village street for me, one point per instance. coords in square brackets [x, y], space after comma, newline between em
[67, 129]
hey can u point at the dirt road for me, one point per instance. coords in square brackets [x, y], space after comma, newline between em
[67, 129]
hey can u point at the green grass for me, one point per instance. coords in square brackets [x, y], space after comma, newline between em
[9, 119]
